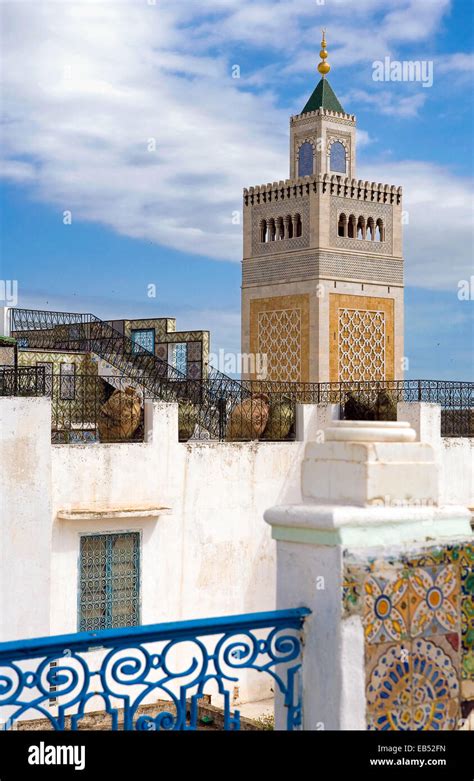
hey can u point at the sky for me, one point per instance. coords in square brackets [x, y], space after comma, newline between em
[127, 140]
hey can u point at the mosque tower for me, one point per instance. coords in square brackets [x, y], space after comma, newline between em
[322, 272]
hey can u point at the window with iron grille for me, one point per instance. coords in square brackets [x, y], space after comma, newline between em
[306, 159]
[109, 581]
[338, 157]
[144, 337]
[67, 390]
[178, 356]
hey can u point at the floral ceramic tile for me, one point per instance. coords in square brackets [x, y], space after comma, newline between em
[434, 670]
[194, 370]
[393, 721]
[386, 608]
[388, 677]
[466, 564]
[352, 589]
[161, 352]
[194, 351]
[413, 685]
[434, 600]
[416, 659]
[436, 715]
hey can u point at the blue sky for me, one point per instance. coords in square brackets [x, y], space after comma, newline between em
[127, 115]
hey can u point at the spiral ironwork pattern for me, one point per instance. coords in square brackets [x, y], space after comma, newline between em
[63, 679]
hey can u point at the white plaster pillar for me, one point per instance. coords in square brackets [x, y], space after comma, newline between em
[424, 418]
[4, 321]
[25, 517]
[369, 484]
[312, 419]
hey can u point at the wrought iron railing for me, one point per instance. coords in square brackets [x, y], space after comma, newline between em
[74, 332]
[216, 399]
[237, 412]
[150, 677]
[88, 408]
[71, 332]
[378, 399]
[22, 381]
[91, 408]
[219, 410]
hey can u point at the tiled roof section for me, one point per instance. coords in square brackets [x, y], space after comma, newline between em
[323, 97]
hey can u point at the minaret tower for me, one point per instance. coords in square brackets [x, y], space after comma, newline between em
[322, 272]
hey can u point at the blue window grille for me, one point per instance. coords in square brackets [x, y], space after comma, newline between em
[144, 337]
[179, 356]
[338, 158]
[109, 581]
[305, 159]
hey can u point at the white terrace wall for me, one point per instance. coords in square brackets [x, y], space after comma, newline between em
[25, 517]
[455, 455]
[209, 554]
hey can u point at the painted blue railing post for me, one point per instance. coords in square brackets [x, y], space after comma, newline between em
[134, 667]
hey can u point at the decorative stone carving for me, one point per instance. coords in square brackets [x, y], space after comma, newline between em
[273, 211]
[354, 206]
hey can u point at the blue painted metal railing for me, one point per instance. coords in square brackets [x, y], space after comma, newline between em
[132, 667]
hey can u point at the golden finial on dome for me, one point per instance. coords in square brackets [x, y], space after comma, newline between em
[323, 66]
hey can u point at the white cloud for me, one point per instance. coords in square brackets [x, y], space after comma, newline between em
[17, 171]
[458, 62]
[87, 85]
[88, 88]
[438, 240]
[389, 102]
[363, 138]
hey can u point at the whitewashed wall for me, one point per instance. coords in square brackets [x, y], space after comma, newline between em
[211, 555]
[25, 517]
[457, 460]
[455, 455]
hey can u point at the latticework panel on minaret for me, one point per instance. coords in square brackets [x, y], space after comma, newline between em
[279, 337]
[361, 345]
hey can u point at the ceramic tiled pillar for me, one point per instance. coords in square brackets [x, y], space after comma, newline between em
[389, 577]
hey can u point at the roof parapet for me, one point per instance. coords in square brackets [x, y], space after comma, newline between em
[323, 112]
[331, 184]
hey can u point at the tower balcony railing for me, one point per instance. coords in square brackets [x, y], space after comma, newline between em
[152, 677]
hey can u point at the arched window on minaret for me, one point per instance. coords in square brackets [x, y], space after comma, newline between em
[370, 229]
[298, 225]
[337, 158]
[280, 229]
[361, 228]
[271, 230]
[305, 159]
[288, 227]
[351, 230]
[379, 231]
[342, 226]
[263, 230]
